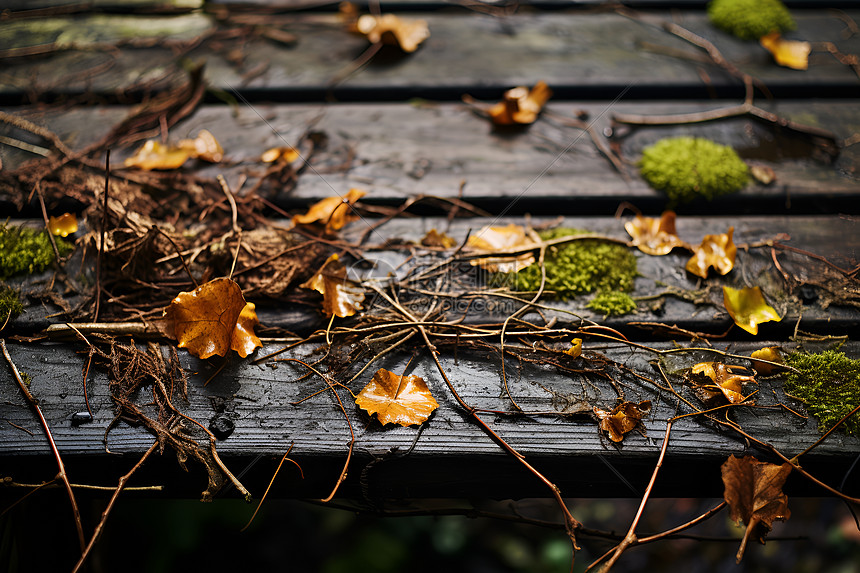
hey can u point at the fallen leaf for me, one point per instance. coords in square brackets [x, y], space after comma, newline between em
[763, 174]
[395, 399]
[154, 155]
[726, 381]
[334, 212]
[390, 29]
[769, 353]
[205, 321]
[622, 418]
[716, 251]
[286, 154]
[575, 349]
[520, 105]
[434, 238]
[748, 308]
[204, 147]
[64, 225]
[654, 236]
[500, 239]
[753, 490]
[788, 53]
[341, 296]
[244, 341]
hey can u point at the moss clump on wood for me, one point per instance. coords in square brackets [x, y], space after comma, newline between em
[686, 168]
[24, 250]
[750, 19]
[10, 303]
[829, 384]
[612, 303]
[579, 267]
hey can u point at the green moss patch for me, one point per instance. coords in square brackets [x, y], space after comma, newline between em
[612, 303]
[10, 304]
[686, 168]
[579, 267]
[750, 19]
[27, 251]
[829, 384]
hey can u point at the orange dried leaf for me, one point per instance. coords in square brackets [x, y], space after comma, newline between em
[390, 29]
[244, 341]
[333, 212]
[204, 147]
[716, 251]
[64, 225]
[748, 308]
[654, 236]
[205, 320]
[395, 399]
[341, 296]
[788, 53]
[753, 491]
[575, 349]
[769, 353]
[286, 154]
[623, 418]
[501, 239]
[434, 238]
[726, 381]
[154, 155]
[520, 105]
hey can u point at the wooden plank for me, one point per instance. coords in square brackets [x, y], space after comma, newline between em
[450, 457]
[592, 55]
[396, 151]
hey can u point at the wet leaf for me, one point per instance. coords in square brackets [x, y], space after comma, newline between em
[575, 349]
[434, 238]
[654, 236]
[717, 251]
[520, 105]
[622, 418]
[395, 399]
[205, 321]
[726, 381]
[204, 147]
[763, 174]
[502, 239]
[769, 353]
[390, 29]
[286, 154]
[64, 225]
[748, 308]
[154, 155]
[341, 296]
[333, 212]
[788, 53]
[753, 490]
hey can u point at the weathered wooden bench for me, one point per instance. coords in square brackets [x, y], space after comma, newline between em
[397, 127]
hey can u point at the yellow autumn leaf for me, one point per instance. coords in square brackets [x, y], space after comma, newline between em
[395, 399]
[341, 296]
[390, 29]
[154, 155]
[212, 319]
[333, 212]
[726, 380]
[204, 147]
[717, 251]
[788, 53]
[286, 154]
[64, 225]
[500, 239]
[654, 236]
[748, 308]
[434, 238]
[623, 418]
[520, 105]
[575, 349]
[769, 353]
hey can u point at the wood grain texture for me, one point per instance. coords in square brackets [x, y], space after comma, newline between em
[581, 55]
[396, 151]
